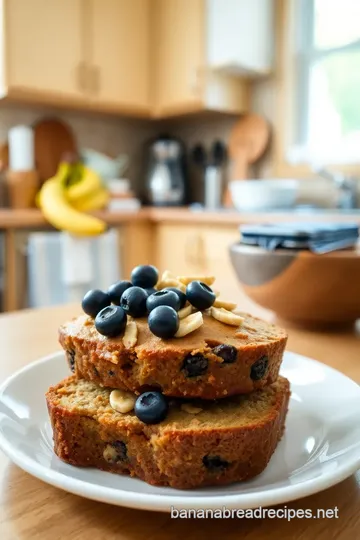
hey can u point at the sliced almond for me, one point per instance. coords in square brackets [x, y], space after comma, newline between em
[226, 317]
[171, 283]
[189, 408]
[217, 293]
[223, 304]
[189, 324]
[130, 335]
[185, 311]
[209, 280]
[167, 275]
[122, 401]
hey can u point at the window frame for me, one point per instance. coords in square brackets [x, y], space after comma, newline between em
[297, 55]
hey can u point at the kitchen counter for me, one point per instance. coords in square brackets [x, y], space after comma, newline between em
[141, 228]
[31, 509]
[33, 218]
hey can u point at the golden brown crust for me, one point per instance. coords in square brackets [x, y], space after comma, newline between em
[154, 362]
[228, 441]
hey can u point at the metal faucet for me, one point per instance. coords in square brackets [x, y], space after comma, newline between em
[346, 185]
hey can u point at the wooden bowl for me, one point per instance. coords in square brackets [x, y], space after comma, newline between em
[299, 286]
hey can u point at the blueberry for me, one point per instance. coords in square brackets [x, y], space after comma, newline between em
[195, 365]
[116, 290]
[70, 355]
[200, 295]
[215, 463]
[111, 321]
[94, 301]
[181, 295]
[227, 352]
[151, 407]
[163, 321]
[111, 372]
[150, 290]
[144, 276]
[259, 368]
[133, 301]
[163, 298]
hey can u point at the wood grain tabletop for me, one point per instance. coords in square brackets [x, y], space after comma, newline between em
[33, 510]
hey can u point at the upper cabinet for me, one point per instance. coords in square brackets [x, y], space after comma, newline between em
[240, 36]
[182, 78]
[91, 54]
[42, 48]
[120, 54]
[149, 58]
[178, 55]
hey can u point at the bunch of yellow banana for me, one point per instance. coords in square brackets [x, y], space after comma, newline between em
[65, 197]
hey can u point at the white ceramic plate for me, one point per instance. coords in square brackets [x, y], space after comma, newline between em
[321, 445]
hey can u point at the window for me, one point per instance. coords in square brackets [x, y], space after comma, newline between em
[327, 82]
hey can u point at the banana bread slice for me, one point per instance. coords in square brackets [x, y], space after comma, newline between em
[225, 441]
[212, 362]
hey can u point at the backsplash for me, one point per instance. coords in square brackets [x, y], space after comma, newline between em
[121, 135]
[106, 134]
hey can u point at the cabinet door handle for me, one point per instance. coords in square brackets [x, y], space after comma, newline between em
[81, 76]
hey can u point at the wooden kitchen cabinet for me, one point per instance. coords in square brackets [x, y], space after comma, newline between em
[182, 81]
[119, 62]
[198, 250]
[178, 52]
[147, 58]
[42, 49]
[89, 54]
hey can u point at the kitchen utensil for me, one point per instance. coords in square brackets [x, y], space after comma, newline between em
[214, 176]
[4, 156]
[53, 139]
[260, 195]
[21, 148]
[247, 143]
[218, 153]
[199, 155]
[304, 288]
[108, 168]
[22, 187]
[212, 167]
[166, 176]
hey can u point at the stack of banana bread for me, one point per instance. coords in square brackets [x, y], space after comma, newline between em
[170, 384]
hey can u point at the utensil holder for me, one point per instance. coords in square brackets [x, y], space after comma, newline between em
[22, 188]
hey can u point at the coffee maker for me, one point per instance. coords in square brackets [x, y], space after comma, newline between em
[166, 179]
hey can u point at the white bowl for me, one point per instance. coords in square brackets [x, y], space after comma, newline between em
[267, 194]
[108, 168]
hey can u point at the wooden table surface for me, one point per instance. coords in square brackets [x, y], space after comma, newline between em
[30, 509]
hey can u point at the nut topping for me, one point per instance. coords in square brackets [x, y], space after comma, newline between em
[171, 283]
[189, 408]
[226, 317]
[122, 401]
[230, 306]
[130, 335]
[185, 311]
[190, 324]
[209, 280]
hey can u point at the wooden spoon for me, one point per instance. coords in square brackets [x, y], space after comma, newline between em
[248, 141]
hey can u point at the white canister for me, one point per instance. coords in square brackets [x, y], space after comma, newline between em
[21, 149]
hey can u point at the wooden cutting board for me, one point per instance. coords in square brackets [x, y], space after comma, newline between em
[248, 142]
[52, 139]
